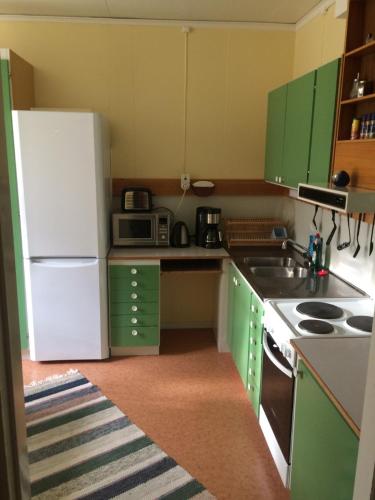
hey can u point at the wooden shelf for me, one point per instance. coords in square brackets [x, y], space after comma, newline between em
[363, 50]
[355, 140]
[356, 100]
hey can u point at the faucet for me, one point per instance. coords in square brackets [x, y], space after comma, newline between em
[299, 248]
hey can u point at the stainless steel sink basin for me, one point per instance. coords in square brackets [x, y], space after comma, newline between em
[269, 261]
[279, 271]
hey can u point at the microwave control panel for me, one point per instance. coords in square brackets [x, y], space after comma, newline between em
[163, 230]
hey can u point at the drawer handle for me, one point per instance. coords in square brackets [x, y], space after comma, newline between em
[133, 270]
[134, 283]
[134, 296]
[134, 308]
[134, 333]
[134, 321]
[251, 324]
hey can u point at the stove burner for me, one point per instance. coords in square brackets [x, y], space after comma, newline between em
[363, 323]
[320, 310]
[316, 326]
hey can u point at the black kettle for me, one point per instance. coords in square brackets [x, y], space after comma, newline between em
[180, 235]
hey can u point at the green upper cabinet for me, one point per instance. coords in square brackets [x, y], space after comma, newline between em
[298, 125]
[323, 122]
[324, 447]
[275, 133]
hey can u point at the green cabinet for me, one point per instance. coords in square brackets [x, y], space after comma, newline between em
[133, 305]
[245, 330]
[300, 125]
[325, 448]
[275, 133]
[323, 122]
[254, 374]
[6, 100]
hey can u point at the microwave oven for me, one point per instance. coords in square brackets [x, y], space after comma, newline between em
[145, 229]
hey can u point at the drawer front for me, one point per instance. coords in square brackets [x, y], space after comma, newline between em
[134, 320]
[138, 308]
[134, 296]
[253, 394]
[134, 336]
[137, 283]
[145, 273]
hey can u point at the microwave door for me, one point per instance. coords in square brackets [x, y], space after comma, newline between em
[137, 230]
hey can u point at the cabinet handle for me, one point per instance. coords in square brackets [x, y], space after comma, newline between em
[134, 283]
[134, 333]
[251, 324]
[134, 321]
[299, 373]
[134, 308]
[134, 296]
[252, 308]
[133, 270]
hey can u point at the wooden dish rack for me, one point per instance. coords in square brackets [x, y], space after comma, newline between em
[249, 232]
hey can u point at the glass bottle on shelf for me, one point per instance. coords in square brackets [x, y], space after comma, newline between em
[354, 91]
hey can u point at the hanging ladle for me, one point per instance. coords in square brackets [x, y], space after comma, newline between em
[314, 218]
[346, 244]
[358, 230]
[329, 239]
[372, 234]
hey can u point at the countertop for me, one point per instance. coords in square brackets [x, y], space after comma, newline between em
[340, 366]
[329, 286]
[192, 252]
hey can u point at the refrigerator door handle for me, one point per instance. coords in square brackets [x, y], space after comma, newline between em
[64, 262]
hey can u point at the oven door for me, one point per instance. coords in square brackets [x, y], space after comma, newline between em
[277, 394]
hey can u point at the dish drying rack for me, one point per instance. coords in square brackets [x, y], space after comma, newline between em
[247, 232]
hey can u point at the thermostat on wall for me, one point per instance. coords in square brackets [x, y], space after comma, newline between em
[279, 233]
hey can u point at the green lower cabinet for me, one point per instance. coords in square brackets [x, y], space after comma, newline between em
[255, 352]
[245, 329]
[134, 304]
[325, 448]
[241, 323]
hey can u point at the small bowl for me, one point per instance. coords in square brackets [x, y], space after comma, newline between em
[203, 188]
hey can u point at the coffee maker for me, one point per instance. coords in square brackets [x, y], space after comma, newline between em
[207, 232]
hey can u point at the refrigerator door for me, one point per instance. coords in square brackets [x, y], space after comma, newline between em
[63, 183]
[67, 308]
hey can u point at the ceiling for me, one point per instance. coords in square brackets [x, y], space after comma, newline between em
[263, 11]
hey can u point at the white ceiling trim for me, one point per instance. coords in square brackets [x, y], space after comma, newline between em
[152, 22]
[318, 10]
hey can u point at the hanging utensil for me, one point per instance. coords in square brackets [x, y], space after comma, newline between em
[346, 244]
[329, 239]
[358, 230]
[372, 234]
[314, 218]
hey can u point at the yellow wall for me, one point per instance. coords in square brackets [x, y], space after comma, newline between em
[318, 42]
[134, 76]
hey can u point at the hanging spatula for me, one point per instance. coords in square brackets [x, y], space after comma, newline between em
[346, 244]
[358, 230]
[329, 239]
[372, 234]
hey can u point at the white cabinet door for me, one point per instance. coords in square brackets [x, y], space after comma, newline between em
[60, 172]
[67, 308]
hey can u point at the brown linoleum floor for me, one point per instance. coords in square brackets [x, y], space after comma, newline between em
[191, 402]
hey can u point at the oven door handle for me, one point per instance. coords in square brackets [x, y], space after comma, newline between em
[271, 357]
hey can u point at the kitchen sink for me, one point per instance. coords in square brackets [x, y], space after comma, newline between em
[270, 261]
[279, 271]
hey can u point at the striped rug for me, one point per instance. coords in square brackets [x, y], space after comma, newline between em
[82, 446]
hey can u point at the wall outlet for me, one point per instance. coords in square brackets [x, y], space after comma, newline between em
[185, 181]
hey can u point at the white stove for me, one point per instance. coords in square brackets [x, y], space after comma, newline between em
[293, 318]
[285, 320]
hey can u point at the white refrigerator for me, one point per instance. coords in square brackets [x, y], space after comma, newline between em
[63, 177]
